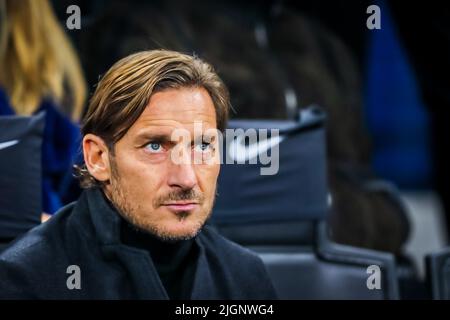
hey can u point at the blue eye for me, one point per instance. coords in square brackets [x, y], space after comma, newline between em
[204, 146]
[154, 147]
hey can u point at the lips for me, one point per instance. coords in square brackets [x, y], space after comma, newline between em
[181, 206]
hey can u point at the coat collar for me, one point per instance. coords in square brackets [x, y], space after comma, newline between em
[105, 218]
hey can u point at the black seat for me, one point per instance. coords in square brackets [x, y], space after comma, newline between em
[326, 270]
[438, 274]
[20, 175]
[282, 218]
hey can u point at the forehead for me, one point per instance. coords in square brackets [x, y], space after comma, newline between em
[176, 108]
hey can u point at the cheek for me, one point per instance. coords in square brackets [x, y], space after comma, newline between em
[207, 176]
[139, 178]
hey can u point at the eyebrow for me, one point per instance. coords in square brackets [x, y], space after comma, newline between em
[166, 138]
[149, 136]
[205, 137]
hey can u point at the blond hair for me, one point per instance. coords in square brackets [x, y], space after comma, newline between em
[125, 90]
[37, 59]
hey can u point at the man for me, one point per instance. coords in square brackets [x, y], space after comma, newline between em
[138, 230]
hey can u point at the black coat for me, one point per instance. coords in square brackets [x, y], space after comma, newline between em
[87, 234]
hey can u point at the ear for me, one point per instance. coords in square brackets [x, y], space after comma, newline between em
[96, 157]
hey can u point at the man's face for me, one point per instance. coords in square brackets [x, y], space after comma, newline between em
[170, 199]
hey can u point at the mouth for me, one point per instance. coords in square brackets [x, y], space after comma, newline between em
[181, 206]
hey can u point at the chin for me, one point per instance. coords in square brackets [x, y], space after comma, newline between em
[173, 227]
[172, 230]
[180, 230]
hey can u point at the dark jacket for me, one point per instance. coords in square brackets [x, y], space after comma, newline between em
[87, 234]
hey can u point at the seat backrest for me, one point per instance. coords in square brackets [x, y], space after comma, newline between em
[438, 274]
[282, 218]
[297, 192]
[20, 174]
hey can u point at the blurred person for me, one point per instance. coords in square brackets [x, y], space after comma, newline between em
[40, 71]
[139, 228]
[423, 31]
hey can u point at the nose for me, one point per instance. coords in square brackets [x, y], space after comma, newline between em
[182, 176]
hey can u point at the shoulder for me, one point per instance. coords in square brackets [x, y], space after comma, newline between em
[225, 254]
[31, 261]
[242, 269]
[22, 264]
[229, 250]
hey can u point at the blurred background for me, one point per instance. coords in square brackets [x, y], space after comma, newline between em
[386, 93]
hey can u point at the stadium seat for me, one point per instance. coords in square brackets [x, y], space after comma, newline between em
[20, 175]
[282, 218]
[438, 274]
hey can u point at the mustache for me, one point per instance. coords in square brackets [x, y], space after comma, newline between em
[180, 195]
